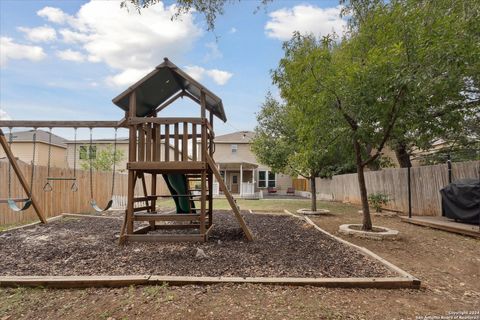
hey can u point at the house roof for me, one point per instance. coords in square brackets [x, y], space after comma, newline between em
[163, 83]
[42, 137]
[236, 137]
[99, 141]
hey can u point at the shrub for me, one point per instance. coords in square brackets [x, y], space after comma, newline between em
[377, 200]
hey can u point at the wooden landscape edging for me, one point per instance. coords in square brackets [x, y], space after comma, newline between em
[66, 282]
[405, 280]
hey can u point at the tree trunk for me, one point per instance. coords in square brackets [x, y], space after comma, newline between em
[403, 157]
[367, 220]
[313, 189]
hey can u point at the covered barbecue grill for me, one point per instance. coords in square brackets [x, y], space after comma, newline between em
[461, 201]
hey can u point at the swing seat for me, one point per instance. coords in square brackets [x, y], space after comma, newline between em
[12, 203]
[95, 206]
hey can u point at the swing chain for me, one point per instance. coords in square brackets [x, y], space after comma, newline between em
[74, 186]
[10, 140]
[114, 160]
[48, 187]
[90, 153]
[33, 159]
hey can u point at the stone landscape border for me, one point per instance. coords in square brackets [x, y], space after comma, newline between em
[403, 280]
[386, 234]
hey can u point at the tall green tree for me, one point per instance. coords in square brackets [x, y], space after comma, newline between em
[440, 37]
[103, 159]
[379, 76]
[290, 141]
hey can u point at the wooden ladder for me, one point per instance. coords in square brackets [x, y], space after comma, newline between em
[231, 200]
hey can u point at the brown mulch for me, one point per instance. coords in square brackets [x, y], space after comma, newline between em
[284, 247]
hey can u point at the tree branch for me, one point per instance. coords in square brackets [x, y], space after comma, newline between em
[391, 124]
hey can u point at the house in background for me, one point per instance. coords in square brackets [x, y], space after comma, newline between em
[82, 147]
[242, 173]
[22, 148]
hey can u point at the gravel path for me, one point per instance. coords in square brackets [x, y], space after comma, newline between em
[284, 247]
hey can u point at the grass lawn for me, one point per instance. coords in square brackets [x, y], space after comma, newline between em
[271, 205]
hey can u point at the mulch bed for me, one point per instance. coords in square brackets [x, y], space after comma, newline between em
[284, 247]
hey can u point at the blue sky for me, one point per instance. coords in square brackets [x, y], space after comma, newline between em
[66, 60]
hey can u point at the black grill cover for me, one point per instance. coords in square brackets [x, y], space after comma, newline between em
[461, 200]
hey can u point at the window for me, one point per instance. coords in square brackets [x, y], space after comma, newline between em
[271, 180]
[266, 179]
[235, 179]
[83, 154]
[262, 179]
[234, 148]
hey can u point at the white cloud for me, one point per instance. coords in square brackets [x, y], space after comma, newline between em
[70, 36]
[54, 15]
[220, 77]
[195, 72]
[232, 30]
[11, 50]
[4, 115]
[213, 51]
[71, 55]
[124, 39]
[39, 34]
[126, 77]
[305, 19]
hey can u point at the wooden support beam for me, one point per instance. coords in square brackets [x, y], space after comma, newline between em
[169, 101]
[187, 166]
[127, 227]
[19, 174]
[166, 217]
[229, 197]
[166, 237]
[59, 124]
[141, 120]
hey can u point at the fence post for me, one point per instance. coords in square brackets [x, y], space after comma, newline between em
[409, 181]
[449, 166]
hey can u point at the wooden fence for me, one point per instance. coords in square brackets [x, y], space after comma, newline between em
[300, 184]
[61, 199]
[426, 182]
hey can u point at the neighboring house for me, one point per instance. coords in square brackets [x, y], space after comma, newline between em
[22, 148]
[82, 147]
[240, 169]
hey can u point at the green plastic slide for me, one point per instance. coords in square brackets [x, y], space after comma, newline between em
[177, 185]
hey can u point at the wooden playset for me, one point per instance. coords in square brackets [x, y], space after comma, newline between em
[181, 150]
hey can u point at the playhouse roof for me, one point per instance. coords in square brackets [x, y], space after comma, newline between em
[161, 85]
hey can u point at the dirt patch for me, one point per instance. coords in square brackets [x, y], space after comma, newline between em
[284, 247]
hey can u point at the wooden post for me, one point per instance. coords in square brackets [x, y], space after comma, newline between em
[203, 199]
[18, 172]
[132, 152]
[210, 175]
[241, 179]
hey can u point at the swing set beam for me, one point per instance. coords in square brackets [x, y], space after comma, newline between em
[18, 172]
[60, 124]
